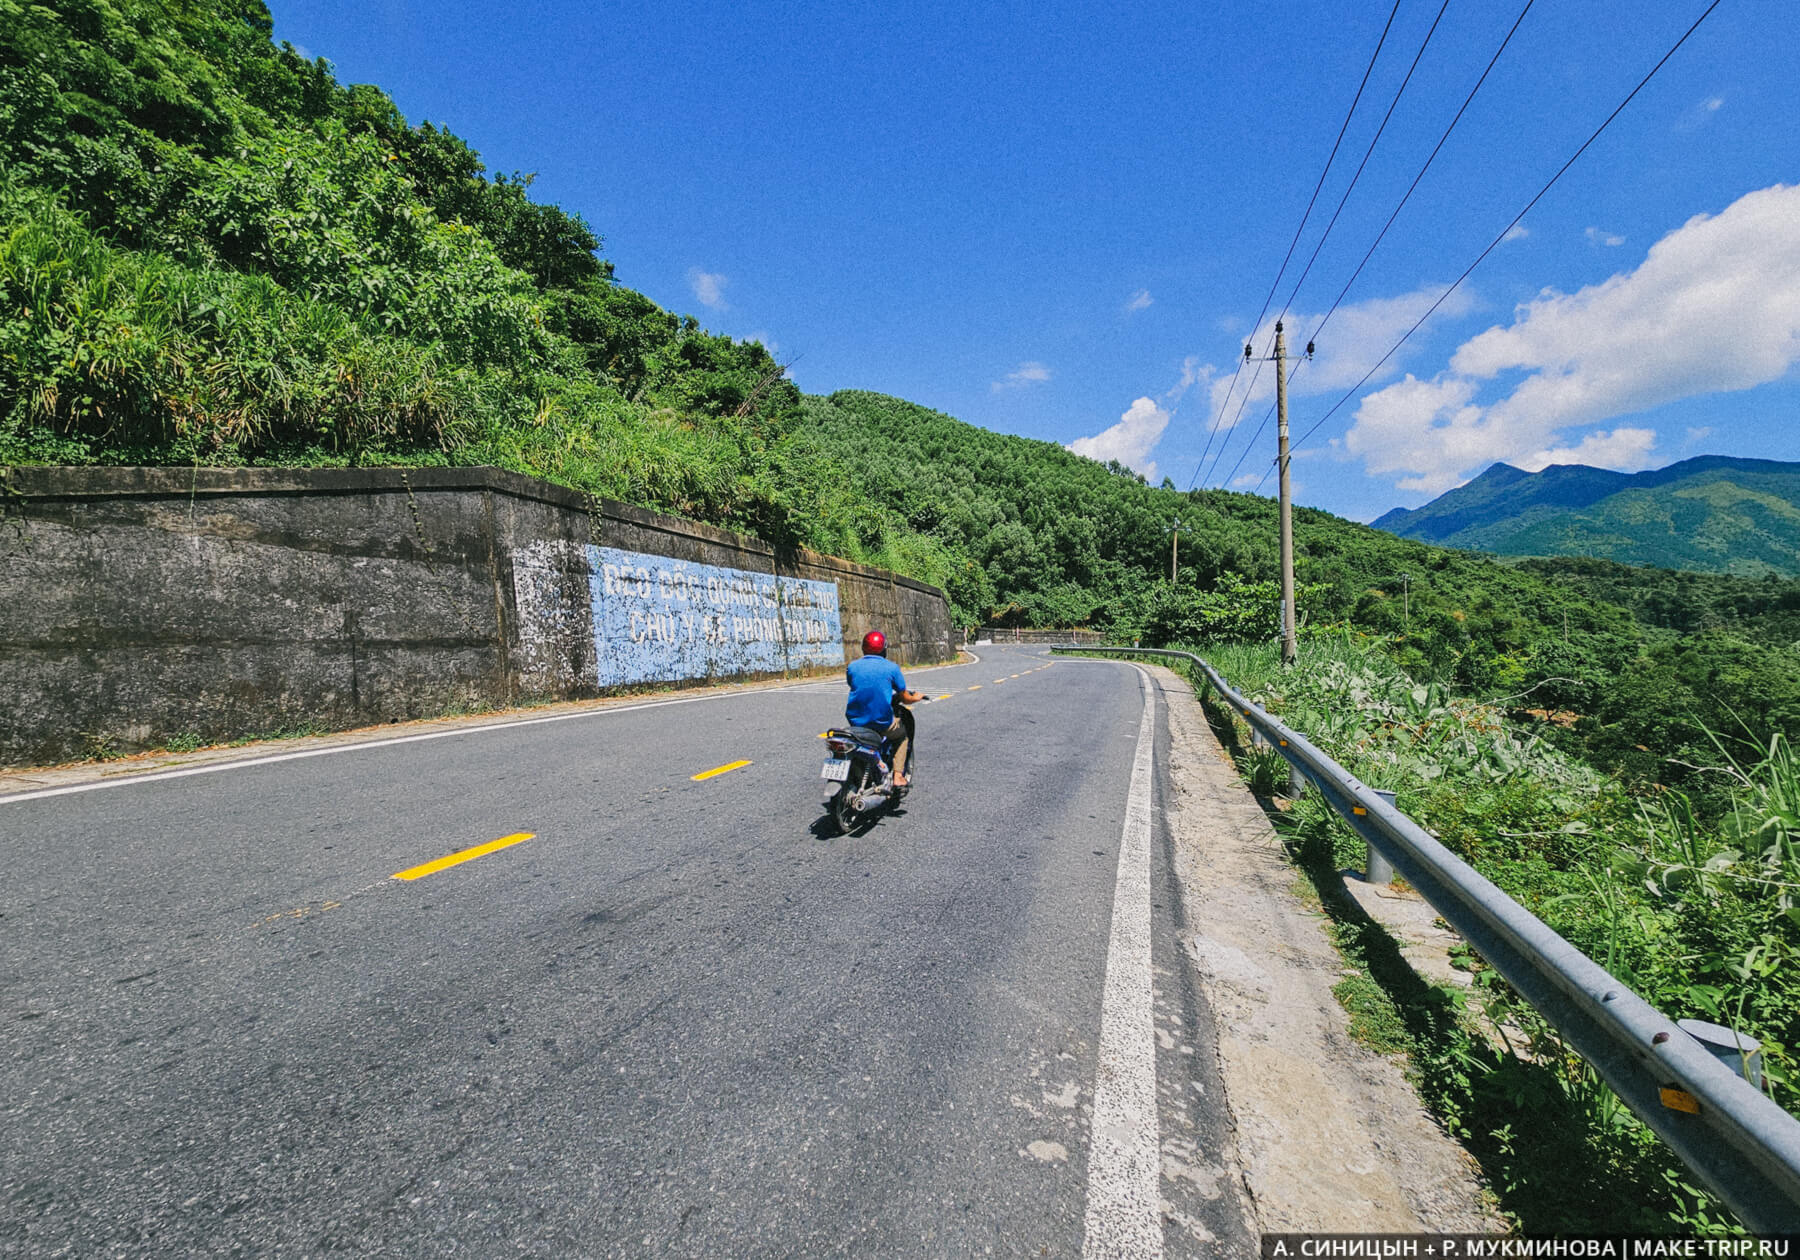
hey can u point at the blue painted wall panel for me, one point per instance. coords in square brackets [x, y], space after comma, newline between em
[663, 620]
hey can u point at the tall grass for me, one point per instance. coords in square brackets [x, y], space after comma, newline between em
[1699, 913]
[105, 350]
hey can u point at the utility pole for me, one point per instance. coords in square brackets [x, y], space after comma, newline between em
[1290, 648]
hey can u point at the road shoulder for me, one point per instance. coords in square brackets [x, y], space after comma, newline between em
[1329, 1135]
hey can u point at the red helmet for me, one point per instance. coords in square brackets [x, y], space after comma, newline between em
[875, 643]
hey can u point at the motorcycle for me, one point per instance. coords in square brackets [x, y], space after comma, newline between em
[861, 765]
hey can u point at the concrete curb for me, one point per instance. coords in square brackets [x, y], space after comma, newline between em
[1329, 1136]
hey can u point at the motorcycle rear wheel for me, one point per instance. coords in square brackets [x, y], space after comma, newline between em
[844, 815]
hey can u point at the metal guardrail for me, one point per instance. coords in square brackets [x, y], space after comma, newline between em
[1734, 1138]
[1000, 634]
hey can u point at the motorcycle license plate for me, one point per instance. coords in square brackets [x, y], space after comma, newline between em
[836, 770]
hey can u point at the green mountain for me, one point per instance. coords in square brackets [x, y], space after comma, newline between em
[1710, 514]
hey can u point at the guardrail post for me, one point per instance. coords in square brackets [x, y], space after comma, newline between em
[1296, 784]
[1380, 870]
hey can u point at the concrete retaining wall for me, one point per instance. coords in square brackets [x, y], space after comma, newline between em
[142, 605]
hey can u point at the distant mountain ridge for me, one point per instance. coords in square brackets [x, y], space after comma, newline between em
[1709, 514]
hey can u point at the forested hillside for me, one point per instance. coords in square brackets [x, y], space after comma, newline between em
[1764, 610]
[1056, 539]
[211, 252]
[1051, 538]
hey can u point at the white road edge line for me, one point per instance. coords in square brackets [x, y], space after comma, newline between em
[1124, 1195]
[155, 776]
[158, 775]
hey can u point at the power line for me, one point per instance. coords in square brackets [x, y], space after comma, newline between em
[1493, 244]
[1367, 154]
[1214, 430]
[1263, 424]
[1250, 446]
[1407, 196]
[1260, 426]
[1343, 200]
[1286, 258]
[1242, 403]
[1356, 175]
[1404, 198]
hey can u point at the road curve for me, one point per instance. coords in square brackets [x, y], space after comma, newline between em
[670, 1015]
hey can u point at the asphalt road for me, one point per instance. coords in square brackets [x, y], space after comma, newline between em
[680, 1019]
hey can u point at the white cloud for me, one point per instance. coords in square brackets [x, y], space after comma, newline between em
[1357, 336]
[1516, 232]
[1025, 374]
[1131, 440]
[1700, 113]
[1139, 301]
[1596, 236]
[765, 341]
[1248, 481]
[1193, 372]
[1389, 422]
[1714, 307]
[1625, 449]
[1699, 434]
[708, 287]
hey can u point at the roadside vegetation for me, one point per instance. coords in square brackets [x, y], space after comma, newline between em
[1692, 900]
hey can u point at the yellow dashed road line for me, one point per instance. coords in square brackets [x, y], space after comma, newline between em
[716, 771]
[466, 855]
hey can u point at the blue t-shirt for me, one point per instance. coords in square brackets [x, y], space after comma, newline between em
[873, 682]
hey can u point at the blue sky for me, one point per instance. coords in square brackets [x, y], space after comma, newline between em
[1060, 220]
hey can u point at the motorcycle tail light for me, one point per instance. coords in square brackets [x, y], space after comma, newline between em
[839, 745]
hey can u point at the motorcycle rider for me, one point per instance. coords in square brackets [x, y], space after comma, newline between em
[875, 684]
